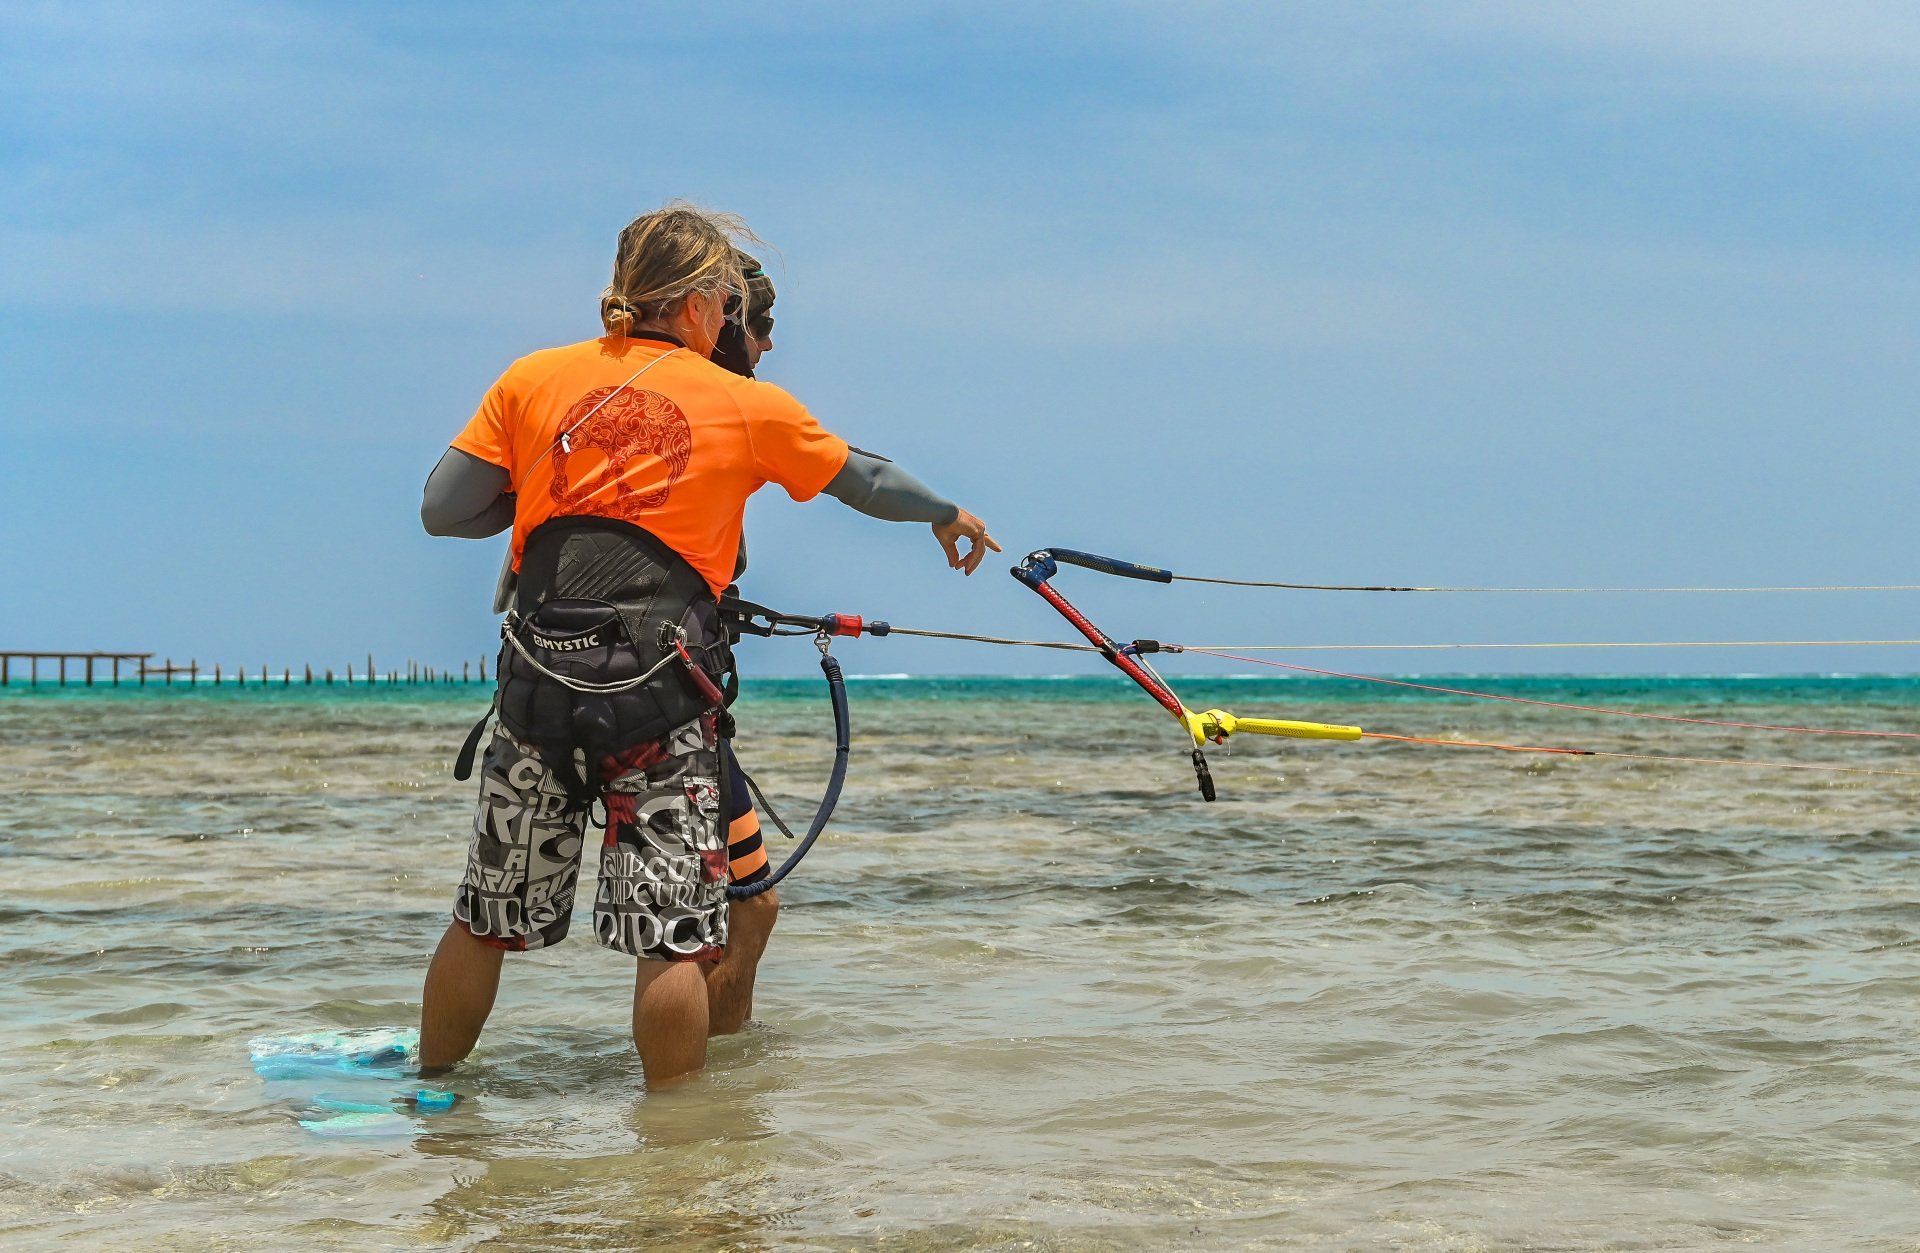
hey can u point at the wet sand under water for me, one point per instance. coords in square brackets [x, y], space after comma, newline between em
[1029, 992]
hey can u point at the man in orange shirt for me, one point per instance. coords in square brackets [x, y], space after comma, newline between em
[624, 464]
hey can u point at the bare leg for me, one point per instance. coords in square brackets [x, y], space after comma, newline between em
[730, 980]
[461, 983]
[669, 1020]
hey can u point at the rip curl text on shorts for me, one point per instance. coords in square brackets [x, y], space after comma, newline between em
[662, 889]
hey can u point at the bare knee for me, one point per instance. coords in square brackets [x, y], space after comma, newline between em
[669, 1019]
[469, 949]
[752, 919]
[730, 980]
[461, 982]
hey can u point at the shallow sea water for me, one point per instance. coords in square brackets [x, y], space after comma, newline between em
[1029, 992]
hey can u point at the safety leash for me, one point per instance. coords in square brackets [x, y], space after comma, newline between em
[836, 779]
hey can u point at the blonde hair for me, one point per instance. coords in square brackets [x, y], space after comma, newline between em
[667, 255]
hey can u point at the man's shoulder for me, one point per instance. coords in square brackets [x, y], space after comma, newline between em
[745, 396]
[547, 361]
[752, 395]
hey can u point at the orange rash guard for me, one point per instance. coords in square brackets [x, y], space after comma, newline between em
[677, 451]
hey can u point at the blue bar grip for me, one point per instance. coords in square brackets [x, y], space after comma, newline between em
[1111, 565]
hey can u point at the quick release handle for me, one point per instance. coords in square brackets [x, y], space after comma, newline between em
[852, 624]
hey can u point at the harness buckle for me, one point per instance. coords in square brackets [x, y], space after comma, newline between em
[823, 641]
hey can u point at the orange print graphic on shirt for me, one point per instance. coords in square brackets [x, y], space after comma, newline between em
[629, 430]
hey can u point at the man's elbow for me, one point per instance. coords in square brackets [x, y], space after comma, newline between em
[435, 519]
[446, 522]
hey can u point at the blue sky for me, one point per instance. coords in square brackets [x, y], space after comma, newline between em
[1476, 292]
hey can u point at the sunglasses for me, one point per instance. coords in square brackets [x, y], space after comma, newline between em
[760, 324]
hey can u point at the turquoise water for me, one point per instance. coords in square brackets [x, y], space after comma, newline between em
[1029, 991]
[1653, 690]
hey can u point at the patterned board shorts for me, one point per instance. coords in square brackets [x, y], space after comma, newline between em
[664, 862]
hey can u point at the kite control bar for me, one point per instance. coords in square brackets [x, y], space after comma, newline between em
[1213, 726]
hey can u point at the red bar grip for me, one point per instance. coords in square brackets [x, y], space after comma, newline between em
[1101, 640]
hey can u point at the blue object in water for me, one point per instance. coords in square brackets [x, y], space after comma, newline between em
[379, 1060]
[361, 1123]
[434, 1101]
[385, 1052]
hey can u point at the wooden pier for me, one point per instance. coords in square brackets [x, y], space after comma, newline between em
[105, 667]
[88, 661]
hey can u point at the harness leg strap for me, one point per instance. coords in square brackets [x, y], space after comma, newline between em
[463, 764]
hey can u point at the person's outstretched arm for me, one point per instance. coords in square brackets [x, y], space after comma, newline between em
[466, 498]
[792, 449]
[881, 489]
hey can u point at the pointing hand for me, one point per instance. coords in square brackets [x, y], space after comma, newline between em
[965, 526]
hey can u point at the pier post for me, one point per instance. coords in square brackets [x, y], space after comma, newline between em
[370, 670]
[116, 672]
[89, 670]
[33, 672]
[63, 672]
[193, 670]
[309, 673]
[169, 672]
[4, 668]
[216, 674]
[329, 674]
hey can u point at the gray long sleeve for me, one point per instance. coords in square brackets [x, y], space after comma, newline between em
[881, 489]
[466, 498]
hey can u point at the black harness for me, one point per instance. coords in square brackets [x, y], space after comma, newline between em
[614, 640]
